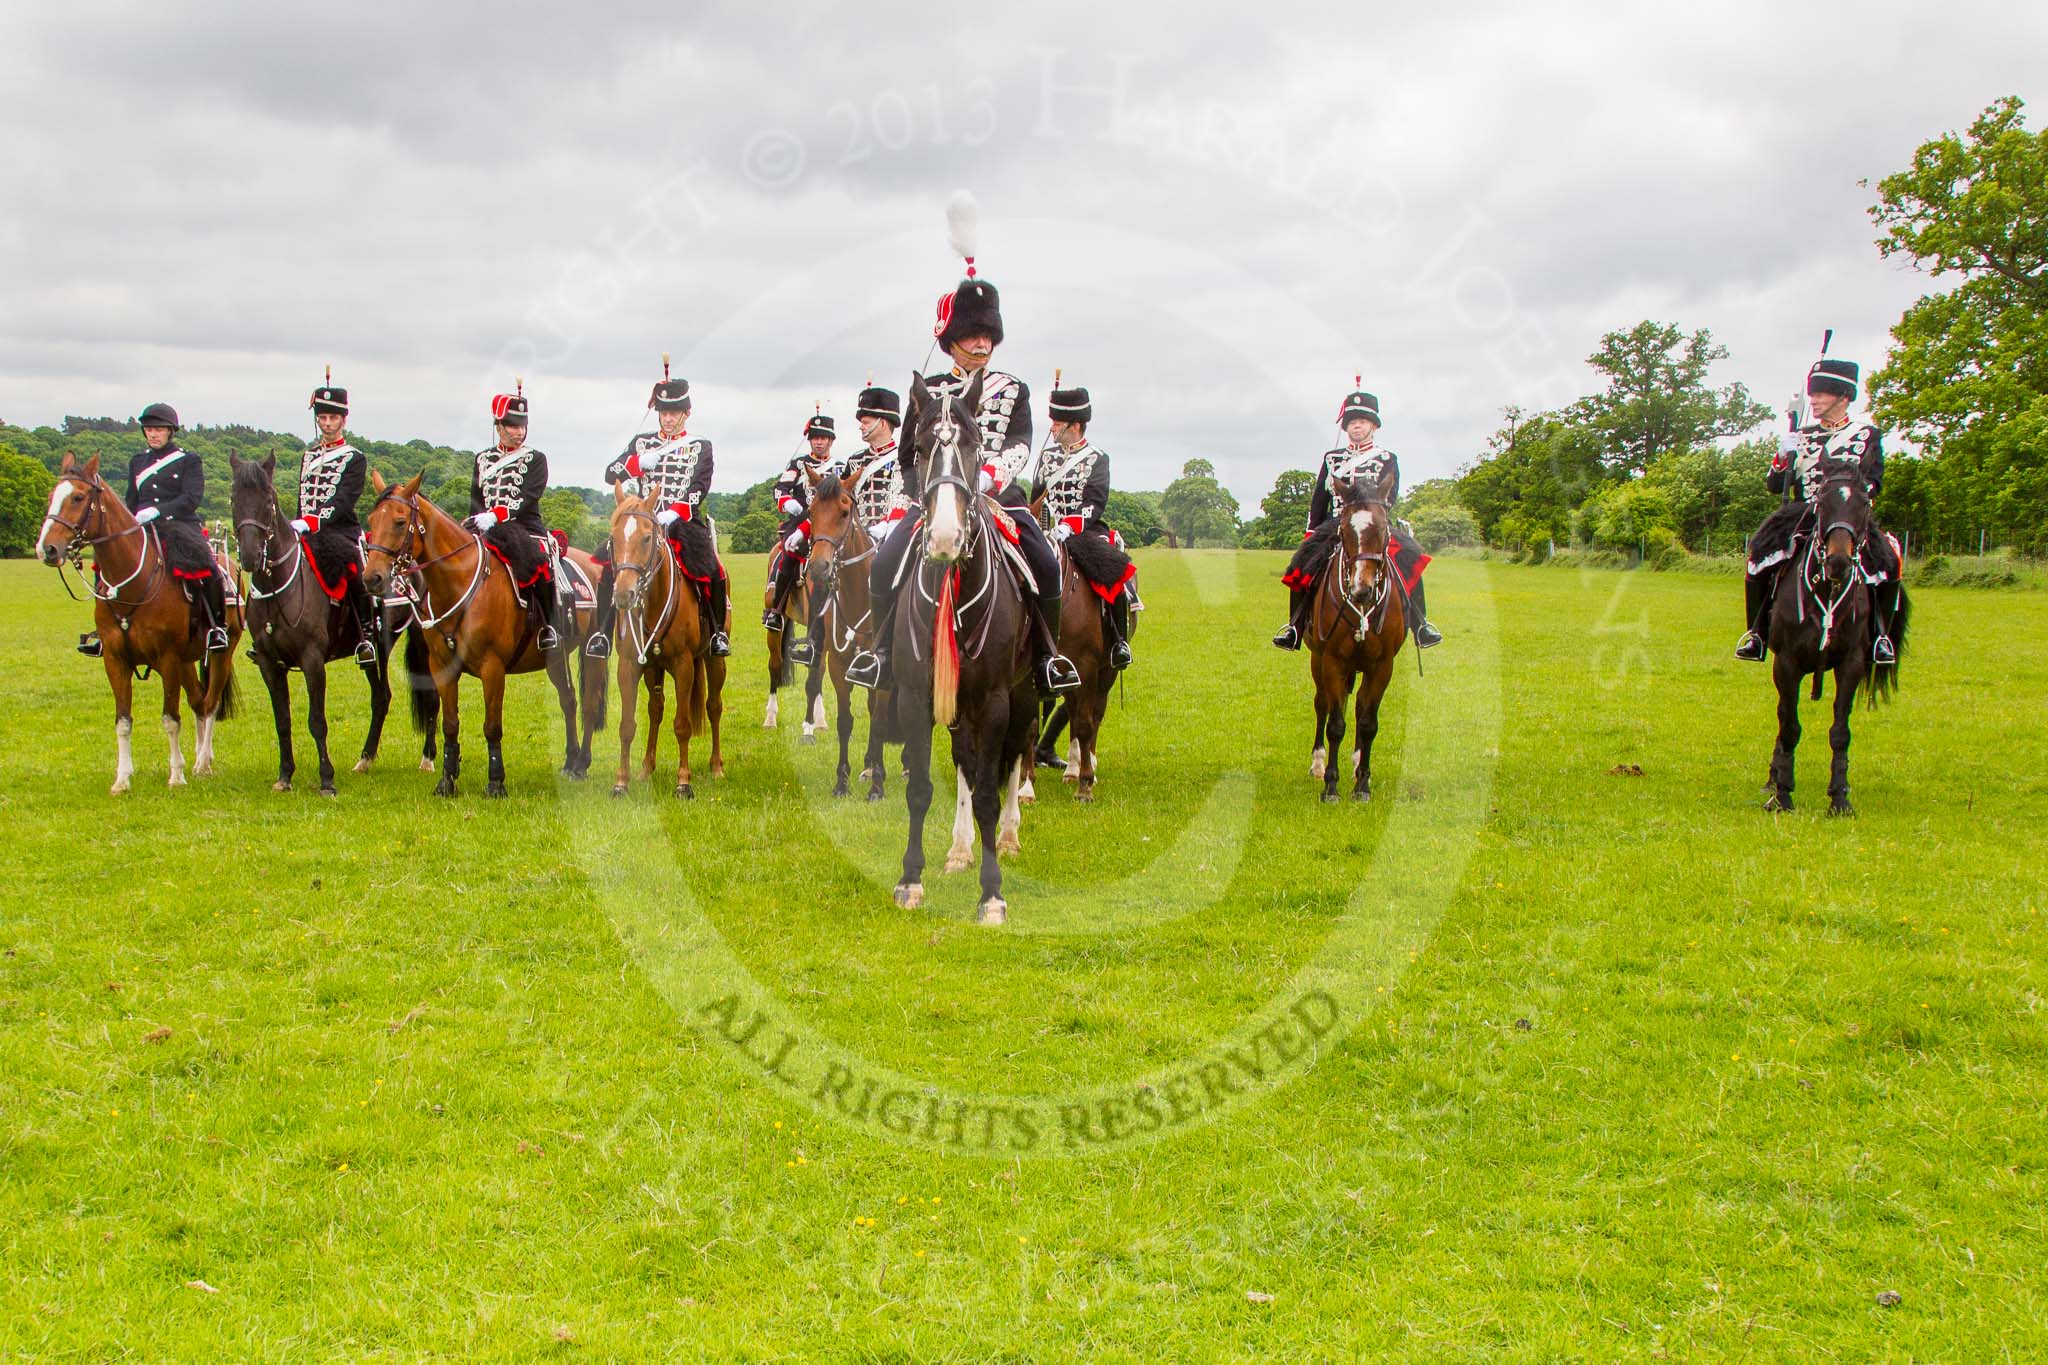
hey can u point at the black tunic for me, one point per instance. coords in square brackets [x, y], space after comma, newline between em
[510, 484]
[173, 481]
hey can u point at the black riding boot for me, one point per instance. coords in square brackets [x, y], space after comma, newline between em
[553, 626]
[1289, 636]
[1756, 601]
[788, 569]
[714, 591]
[213, 598]
[1427, 636]
[870, 667]
[599, 645]
[89, 644]
[1059, 674]
[358, 598]
[1120, 632]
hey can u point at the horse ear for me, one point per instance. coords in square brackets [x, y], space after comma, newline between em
[70, 461]
[377, 481]
[973, 395]
[270, 464]
[412, 485]
[92, 467]
[811, 477]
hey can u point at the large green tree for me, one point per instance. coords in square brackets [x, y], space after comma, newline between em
[24, 498]
[1195, 508]
[1967, 376]
[1536, 470]
[1283, 513]
[1658, 398]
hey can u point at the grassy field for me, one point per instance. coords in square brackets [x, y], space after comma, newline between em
[1625, 1068]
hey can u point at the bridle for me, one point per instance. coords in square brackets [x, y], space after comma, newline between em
[409, 570]
[828, 578]
[1365, 614]
[1813, 580]
[78, 542]
[660, 559]
[945, 472]
[269, 527]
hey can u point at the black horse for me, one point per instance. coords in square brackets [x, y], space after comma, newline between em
[963, 654]
[1820, 622]
[294, 623]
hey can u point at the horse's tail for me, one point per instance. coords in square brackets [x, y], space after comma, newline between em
[1884, 678]
[595, 677]
[225, 708]
[945, 658]
[700, 690]
[419, 681]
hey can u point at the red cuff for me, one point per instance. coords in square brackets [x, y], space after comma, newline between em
[1306, 534]
[633, 465]
[989, 470]
[898, 514]
[681, 509]
[1072, 524]
[804, 526]
[502, 513]
[1778, 462]
[312, 524]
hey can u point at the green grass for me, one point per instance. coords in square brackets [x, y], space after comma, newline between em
[1630, 1069]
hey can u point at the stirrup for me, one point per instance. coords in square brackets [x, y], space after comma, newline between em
[1428, 636]
[865, 670]
[216, 639]
[1750, 648]
[1289, 637]
[772, 619]
[548, 639]
[801, 652]
[366, 650]
[598, 646]
[1120, 656]
[721, 647]
[1882, 651]
[89, 645]
[1061, 675]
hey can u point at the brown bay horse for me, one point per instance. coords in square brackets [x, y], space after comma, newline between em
[144, 620]
[661, 632]
[295, 623]
[962, 653]
[1820, 624]
[471, 620]
[842, 553]
[1356, 627]
[1079, 712]
[782, 669]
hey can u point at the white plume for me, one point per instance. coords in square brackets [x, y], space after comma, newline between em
[963, 220]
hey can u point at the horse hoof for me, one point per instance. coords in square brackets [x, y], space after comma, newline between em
[1008, 845]
[494, 790]
[910, 896]
[1085, 796]
[1317, 767]
[177, 779]
[574, 774]
[328, 789]
[1329, 798]
[807, 738]
[362, 766]
[957, 862]
[119, 788]
[992, 912]
[718, 770]
[683, 792]
[1361, 796]
[445, 787]
[874, 795]
[283, 784]
[1777, 801]
[203, 770]
[426, 765]
[1840, 806]
[842, 790]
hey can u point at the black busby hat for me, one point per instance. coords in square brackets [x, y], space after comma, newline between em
[510, 408]
[1831, 375]
[819, 425]
[1070, 405]
[882, 403]
[670, 395]
[327, 398]
[1359, 403]
[159, 415]
[973, 307]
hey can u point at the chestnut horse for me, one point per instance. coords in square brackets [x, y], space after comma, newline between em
[962, 652]
[1356, 627]
[661, 631]
[1820, 623]
[842, 552]
[143, 618]
[471, 620]
[293, 623]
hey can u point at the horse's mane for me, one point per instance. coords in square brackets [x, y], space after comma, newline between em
[251, 474]
[828, 487]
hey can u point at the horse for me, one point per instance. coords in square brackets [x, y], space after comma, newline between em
[963, 654]
[1356, 626]
[782, 669]
[661, 631]
[1820, 622]
[144, 622]
[295, 622]
[842, 554]
[470, 620]
[1079, 713]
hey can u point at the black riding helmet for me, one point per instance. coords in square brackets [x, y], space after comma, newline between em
[159, 415]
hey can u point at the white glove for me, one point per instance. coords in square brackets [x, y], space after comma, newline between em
[299, 525]
[794, 542]
[1060, 532]
[665, 518]
[790, 507]
[987, 482]
[482, 522]
[1790, 444]
[147, 515]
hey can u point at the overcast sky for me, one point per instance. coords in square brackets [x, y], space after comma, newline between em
[1212, 222]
